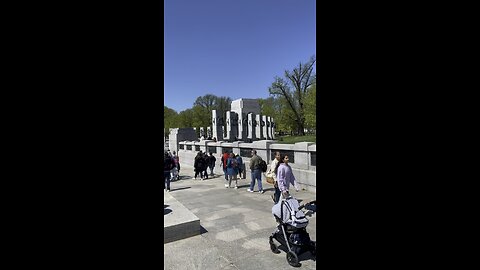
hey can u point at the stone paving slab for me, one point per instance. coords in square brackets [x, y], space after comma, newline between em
[237, 225]
[179, 222]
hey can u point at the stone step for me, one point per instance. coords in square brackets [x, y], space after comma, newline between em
[179, 222]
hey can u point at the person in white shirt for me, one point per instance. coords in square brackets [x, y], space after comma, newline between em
[272, 173]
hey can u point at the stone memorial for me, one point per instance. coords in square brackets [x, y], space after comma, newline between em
[269, 128]
[273, 128]
[242, 123]
[251, 126]
[258, 127]
[209, 132]
[217, 125]
[232, 126]
[242, 127]
[179, 135]
[264, 127]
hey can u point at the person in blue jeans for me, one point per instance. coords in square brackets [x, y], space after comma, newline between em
[256, 172]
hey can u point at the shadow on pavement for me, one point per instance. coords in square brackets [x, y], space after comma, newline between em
[302, 257]
[202, 230]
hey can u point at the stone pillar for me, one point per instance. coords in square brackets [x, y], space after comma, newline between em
[258, 127]
[273, 129]
[250, 126]
[264, 127]
[228, 121]
[209, 132]
[217, 124]
[232, 125]
[179, 135]
[269, 127]
[242, 127]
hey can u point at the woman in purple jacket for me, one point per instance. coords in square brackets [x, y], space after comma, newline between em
[285, 176]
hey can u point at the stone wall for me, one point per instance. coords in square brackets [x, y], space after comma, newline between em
[303, 154]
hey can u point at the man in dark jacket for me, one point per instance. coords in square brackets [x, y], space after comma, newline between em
[198, 165]
[212, 163]
[256, 172]
[167, 166]
[205, 166]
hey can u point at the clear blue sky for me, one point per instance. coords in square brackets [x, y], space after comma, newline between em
[233, 48]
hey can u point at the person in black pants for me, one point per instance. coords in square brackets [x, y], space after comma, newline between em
[212, 163]
[273, 173]
[198, 165]
[168, 165]
[205, 166]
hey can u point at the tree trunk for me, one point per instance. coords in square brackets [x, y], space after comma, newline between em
[301, 129]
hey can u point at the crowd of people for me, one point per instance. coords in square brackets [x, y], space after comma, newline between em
[233, 168]
[171, 169]
[202, 162]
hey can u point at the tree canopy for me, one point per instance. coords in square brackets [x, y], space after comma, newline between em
[294, 90]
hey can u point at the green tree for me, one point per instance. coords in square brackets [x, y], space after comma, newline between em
[203, 106]
[169, 119]
[185, 118]
[208, 102]
[311, 108]
[268, 106]
[294, 90]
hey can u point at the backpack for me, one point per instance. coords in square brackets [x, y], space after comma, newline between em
[234, 163]
[263, 165]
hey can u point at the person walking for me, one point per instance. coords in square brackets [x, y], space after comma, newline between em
[231, 171]
[174, 171]
[224, 163]
[273, 174]
[212, 163]
[285, 176]
[205, 166]
[239, 165]
[256, 172]
[177, 159]
[167, 166]
[198, 165]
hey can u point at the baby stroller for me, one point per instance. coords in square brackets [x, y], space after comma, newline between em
[291, 231]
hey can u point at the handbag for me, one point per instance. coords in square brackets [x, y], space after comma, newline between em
[270, 180]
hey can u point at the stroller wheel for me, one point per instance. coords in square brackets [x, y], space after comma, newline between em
[292, 258]
[273, 247]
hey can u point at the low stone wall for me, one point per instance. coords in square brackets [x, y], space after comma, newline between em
[303, 165]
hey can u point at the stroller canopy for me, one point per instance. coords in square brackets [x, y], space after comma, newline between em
[288, 213]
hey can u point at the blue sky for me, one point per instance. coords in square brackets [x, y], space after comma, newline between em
[233, 48]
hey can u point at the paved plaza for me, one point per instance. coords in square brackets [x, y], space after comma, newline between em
[235, 224]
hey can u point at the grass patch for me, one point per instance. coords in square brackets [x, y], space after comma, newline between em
[295, 139]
